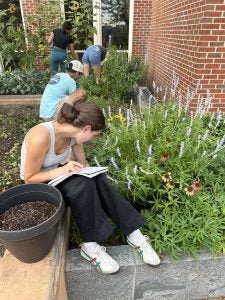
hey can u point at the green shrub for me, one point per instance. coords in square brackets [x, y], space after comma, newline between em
[118, 80]
[23, 82]
[170, 166]
[120, 75]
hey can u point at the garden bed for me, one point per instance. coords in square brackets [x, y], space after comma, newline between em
[168, 164]
[14, 122]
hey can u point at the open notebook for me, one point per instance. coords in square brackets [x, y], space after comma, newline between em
[87, 172]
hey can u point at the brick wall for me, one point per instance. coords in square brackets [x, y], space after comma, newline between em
[29, 9]
[29, 6]
[187, 37]
[141, 27]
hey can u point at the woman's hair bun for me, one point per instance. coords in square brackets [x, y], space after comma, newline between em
[82, 114]
[75, 111]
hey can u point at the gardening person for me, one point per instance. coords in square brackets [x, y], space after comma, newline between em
[92, 200]
[79, 95]
[60, 40]
[92, 58]
[58, 87]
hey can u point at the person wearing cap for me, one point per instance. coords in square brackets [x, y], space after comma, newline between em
[60, 40]
[92, 59]
[59, 86]
[79, 95]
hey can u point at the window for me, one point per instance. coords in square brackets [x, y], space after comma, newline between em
[111, 18]
[115, 23]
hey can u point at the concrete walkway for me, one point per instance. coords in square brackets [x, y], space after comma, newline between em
[42, 280]
[186, 279]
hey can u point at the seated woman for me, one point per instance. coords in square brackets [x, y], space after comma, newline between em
[92, 200]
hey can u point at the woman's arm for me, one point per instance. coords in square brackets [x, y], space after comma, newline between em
[37, 145]
[50, 38]
[72, 51]
[79, 154]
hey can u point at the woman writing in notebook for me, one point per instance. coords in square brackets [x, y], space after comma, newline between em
[92, 200]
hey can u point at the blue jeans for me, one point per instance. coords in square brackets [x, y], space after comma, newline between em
[92, 56]
[58, 57]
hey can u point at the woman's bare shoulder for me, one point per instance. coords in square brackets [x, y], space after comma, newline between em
[38, 135]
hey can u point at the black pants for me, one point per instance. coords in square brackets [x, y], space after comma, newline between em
[93, 201]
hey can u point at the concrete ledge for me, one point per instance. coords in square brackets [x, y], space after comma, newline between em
[43, 280]
[19, 99]
[186, 279]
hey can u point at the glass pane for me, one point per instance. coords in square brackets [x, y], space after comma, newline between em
[115, 23]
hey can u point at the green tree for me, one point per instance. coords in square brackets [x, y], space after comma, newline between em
[118, 10]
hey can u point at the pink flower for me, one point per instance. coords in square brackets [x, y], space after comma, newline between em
[189, 191]
[166, 177]
[196, 185]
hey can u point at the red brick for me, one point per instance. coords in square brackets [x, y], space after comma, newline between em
[186, 36]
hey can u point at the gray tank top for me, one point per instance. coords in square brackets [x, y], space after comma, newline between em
[51, 160]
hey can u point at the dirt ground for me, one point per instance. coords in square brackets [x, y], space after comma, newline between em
[12, 131]
[11, 119]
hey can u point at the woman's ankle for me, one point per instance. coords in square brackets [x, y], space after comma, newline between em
[90, 246]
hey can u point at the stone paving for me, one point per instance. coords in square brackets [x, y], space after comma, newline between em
[186, 279]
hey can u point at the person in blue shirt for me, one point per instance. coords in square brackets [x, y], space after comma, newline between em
[58, 87]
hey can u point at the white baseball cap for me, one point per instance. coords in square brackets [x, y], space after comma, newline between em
[76, 65]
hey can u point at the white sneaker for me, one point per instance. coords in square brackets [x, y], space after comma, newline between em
[101, 260]
[145, 250]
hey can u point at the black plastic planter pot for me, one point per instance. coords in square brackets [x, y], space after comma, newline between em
[32, 244]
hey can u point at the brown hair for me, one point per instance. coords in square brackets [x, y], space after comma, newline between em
[82, 114]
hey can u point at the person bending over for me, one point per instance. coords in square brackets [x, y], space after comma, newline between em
[58, 87]
[92, 58]
[80, 95]
[92, 200]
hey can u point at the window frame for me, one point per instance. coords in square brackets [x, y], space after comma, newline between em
[98, 24]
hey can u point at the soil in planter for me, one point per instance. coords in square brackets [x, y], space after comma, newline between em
[26, 215]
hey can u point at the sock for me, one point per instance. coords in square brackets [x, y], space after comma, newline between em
[90, 247]
[135, 236]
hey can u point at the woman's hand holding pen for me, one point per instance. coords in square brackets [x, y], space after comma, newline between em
[72, 166]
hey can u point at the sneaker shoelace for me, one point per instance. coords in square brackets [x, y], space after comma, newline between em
[146, 242]
[101, 253]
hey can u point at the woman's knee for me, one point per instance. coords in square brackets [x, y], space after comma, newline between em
[100, 179]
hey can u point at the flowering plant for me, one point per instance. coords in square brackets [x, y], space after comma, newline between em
[166, 162]
[19, 46]
[80, 14]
